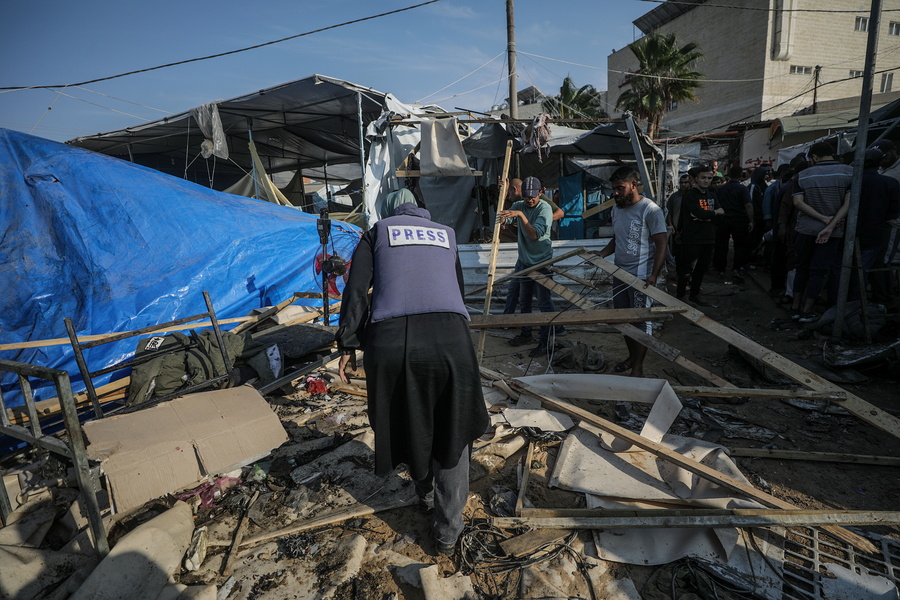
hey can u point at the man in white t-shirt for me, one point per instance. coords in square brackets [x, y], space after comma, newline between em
[639, 245]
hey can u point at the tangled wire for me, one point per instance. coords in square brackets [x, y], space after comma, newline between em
[481, 555]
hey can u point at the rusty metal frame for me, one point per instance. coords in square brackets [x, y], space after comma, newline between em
[73, 450]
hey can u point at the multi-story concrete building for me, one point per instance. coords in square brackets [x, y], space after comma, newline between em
[768, 58]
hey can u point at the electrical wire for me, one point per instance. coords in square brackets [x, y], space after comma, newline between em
[221, 54]
[461, 78]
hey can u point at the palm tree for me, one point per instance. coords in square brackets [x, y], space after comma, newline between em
[576, 103]
[665, 75]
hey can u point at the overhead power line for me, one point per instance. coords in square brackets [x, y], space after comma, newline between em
[211, 56]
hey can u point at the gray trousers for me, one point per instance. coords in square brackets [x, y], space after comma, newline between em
[448, 490]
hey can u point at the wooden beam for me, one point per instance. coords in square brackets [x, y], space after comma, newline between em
[532, 540]
[736, 392]
[680, 460]
[572, 317]
[418, 173]
[864, 410]
[495, 244]
[699, 518]
[860, 459]
[526, 471]
[337, 516]
[658, 346]
[536, 267]
[597, 209]
[103, 336]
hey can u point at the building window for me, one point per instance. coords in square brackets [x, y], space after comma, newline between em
[862, 24]
[798, 70]
[673, 105]
[856, 74]
[887, 81]
[894, 28]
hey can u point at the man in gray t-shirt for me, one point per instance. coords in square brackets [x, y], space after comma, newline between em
[639, 245]
[822, 198]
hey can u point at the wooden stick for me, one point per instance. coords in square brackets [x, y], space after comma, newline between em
[658, 346]
[680, 460]
[231, 555]
[701, 518]
[103, 336]
[864, 410]
[736, 392]
[18, 415]
[495, 243]
[860, 459]
[353, 512]
[572, 317]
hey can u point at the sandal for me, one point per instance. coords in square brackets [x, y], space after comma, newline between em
[621, 367]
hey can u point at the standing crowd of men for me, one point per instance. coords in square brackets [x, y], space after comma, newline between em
[425, 402]
[791, 222]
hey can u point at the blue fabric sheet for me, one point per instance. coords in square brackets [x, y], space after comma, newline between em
[117, 247]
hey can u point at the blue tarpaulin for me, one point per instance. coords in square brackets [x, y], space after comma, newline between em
[117, 247]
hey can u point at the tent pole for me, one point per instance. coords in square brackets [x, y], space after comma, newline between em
[639, 157]
[253, 162]
[865, 105]
[362, 148]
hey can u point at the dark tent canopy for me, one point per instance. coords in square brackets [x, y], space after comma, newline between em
[312, 124]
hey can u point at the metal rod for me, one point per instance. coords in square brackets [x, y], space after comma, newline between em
[82, 366]
[127, 334]
[218, 332]
[639, 157]
[86, 482]
[865, 104]
[362, 150]
[28, 398]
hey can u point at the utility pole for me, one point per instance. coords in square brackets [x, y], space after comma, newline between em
[818, 71]
[862, 132]
[511, 60]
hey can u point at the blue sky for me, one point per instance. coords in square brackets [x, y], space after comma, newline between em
[412, 55]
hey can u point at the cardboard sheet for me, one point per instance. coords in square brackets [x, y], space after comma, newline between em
[159, 450]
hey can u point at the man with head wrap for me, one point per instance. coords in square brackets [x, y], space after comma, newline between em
[425, 402]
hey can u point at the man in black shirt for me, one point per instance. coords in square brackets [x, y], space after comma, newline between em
[698, 233]
[735, 224]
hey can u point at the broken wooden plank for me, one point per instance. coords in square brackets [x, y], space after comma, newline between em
[572, 317]
[598, 209]
[49, 408]
[680, 460]
[736, 392]
[273, 310]
[658, 346]
[861, 459]
[104, 336]
[338, 516]
[231, 554]
[530, 541]
[864, 410]
[743, 518]
[526, 471]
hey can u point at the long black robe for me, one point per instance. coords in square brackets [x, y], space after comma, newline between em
[425, 400]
